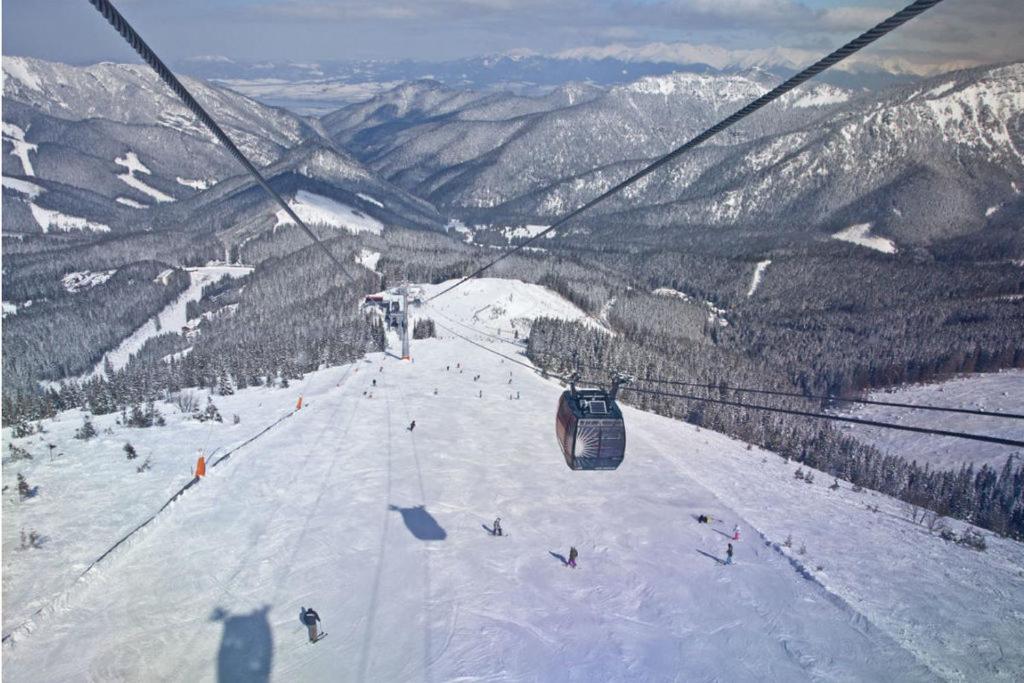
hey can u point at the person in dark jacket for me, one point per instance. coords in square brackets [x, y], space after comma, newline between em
[728, 554]
[310, 618]
[412, 425]
[497, 527]
[573, 554]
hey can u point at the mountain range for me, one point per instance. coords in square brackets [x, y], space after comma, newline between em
[107, 149]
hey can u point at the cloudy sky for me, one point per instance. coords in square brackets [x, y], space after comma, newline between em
[955, 33]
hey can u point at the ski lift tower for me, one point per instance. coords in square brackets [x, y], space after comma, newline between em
[404, 291]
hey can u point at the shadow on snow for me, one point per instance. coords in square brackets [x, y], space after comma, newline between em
[421, 523]
[246, 646]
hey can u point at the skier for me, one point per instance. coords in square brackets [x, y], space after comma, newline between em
[573, 554]
[702, 519]
[728, 554]
[310, 618]
[447, 368]
[374, 382]
[497, 527]
[736, 532]
[412, 425]
[435, 391]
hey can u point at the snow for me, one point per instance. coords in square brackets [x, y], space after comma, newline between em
[18, 69]
[76, 282]
[49, 219]
[860, 234]
[994, 392]
[172, 318]
[16, 136]
[497, 305]
[461, 228]
[525, 232]
[317, 209]
[368, 259]
[368, 198]
[131, 162]
[991, 210]
[199, 184]
[340, 507]
[22, 186]
[941, 90]
[755, 281]
[131, 202]
[822, 96]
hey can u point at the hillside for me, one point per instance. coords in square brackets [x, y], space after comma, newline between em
[918, 164]
[382, 530]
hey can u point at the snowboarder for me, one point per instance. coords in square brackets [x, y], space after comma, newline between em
[728, 554]
[702, 519]
[573, 554]
[310, 618]
[497, 527]
[736, 532]
[412, 425]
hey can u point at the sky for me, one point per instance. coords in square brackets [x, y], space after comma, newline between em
[955, 33]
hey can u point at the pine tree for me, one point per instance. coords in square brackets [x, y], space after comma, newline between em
[87, 430]
[129, 451]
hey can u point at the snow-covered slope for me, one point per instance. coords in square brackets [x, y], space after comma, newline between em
[382, 529]
[1001, 392]
[172, 318]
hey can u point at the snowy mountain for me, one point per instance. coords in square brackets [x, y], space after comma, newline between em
[109, 145]
[317, 88]
[919, 163]
[340, 506]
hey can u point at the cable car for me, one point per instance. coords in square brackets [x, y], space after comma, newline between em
[590, 429]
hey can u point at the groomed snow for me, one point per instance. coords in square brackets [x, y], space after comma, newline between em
[368, 198]
[49, 219]
[198, 184]
[995, 392]
[381, 529]
[317, 209]
[498, 306]
[172, 318]
[16, 136]
[860, 234]
[759, 271]
[23, 186]
[131, 162]
[131, 202]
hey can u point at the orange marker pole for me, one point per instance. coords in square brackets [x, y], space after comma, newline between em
[201, 466]
[298, 406]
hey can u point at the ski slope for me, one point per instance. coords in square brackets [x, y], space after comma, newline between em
[171, 318]
[382, 530]
[1000, 392]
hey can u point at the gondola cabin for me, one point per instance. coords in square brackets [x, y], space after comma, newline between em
[590, 430]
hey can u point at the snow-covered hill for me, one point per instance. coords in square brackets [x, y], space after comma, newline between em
[921, 163]
[382, 529]
[1001, 392]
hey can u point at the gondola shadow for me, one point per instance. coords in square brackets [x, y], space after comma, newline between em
[711, 556]
[246, 646]
[559, 557]
[421, 523]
